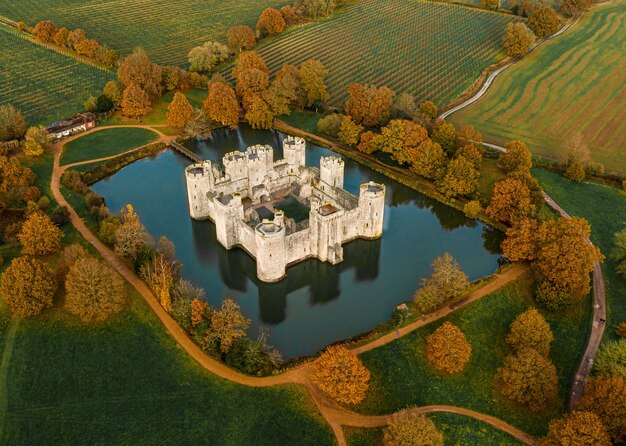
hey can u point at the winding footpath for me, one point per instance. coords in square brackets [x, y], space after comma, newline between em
[335, 415]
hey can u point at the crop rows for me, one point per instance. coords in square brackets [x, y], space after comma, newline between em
[43, 84]
[166, 29]
[431, 50]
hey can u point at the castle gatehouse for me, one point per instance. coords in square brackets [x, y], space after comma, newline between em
[282, 212]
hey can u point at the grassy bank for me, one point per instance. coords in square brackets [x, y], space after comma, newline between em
[401, 375]
[107, 142]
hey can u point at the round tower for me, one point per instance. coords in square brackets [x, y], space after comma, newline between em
[199, 179]
[371, 209]
[331, 171]
[271, 258]
[294, 151]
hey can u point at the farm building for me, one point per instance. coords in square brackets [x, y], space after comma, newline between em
[75, 124]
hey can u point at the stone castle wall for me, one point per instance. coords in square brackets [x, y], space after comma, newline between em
[249, 178]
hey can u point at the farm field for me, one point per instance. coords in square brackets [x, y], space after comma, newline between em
[44, 85]
[401, 375]
[431, 50]
[575, 84]
[165, 31]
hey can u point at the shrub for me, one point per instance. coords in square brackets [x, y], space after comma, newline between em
[60, 215]
[39, 235]
[183, 294]
[340, 374]
[611, 359]
[575, 172]
[621, 330]
[529, 378]
[94, 292]
[530, 329]
[447, 349]
[407, 428]
[28, 286]
[330, 125]
[74, 182]
[576, 429]
[472, 209]
[606, 397]
[107, 228]
[32, 194]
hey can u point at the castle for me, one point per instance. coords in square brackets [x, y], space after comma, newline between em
[252, 184]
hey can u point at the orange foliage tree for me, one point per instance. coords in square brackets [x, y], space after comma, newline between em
[45, 30]
[576, 429]
[28, 286]
[530, 329]
[139, 70]
[240, 38]
[259, 115]
[271, 22]
[227, 326]
[39, 236]
[341, 375]
[606, 397]
[198, 310]
[135, 102]
[221, 104]
[510, 201]
[179, 112]
[517, 158]
[447, 349]
[520, 242]
[368, 105]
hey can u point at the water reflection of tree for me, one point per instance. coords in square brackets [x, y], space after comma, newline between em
[492, 238]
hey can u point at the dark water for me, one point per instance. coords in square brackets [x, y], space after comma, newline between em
[317, 303]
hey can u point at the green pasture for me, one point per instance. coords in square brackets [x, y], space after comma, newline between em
[125, 381]
[604, 207]
[402, 377]
[432, 50]
[106, 142]
[44, 85]
[166, 30]
[573, 85]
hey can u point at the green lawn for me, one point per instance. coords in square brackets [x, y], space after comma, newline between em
[401, 376]
[572, 85]
[302, 119]
[490, 174]
[125, 381]
[457, 430]
[105, 143]
[605, 209]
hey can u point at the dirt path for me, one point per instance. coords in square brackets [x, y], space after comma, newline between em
[335, 415]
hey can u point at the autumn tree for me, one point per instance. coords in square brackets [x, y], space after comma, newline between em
[331, 124]
[573, 7]
[529, 378]
[340, 374]
[45, 31]
[75, 37]
[461, 178]
[12, 123]
[28, 286]
[289, 14]
[472, 209]
[404, 106]
[14, 180]
[621, 330]
[240, 38]
[94, 291]
[429, 160]
[135, 102]
[367, 143]
[518, 39]
[606, 397]
[473, 153]
[520, 242]
[536, 192]
[429, 109]
[618, 254]
[490, 4]
[530, 329]
[114, 90]
[259, 115]
[61, 36]
[206, 57]
[39, 236]
[517, 158]
[445, 135]
[447, 281]
[312, 76]
[137, 69]
[576, 428]
[611, 359]
[368, 105]
[198, 311]
[277, 101]
[221, 105]
[349, 132]
[248, 60]
[407, 428]
[179, 112]
[564, 255]
[131, 236]
[510, 201]
[544, 22]
[87, 47]
[36, 142]
[317, 8]
[270, 22]
[160, 274]
[575, 172]
[447, 349]
[401, 138]
[227, 326]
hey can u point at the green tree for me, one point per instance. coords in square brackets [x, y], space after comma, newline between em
[575, 172]
[447, 281]
[619, 252]
[94, 292]
[408, 428]
[576, 429]
[28, 286]
[529, 378]
[611, 359]
[530, 329]
[206, 57]
[114, 91]
[330, 124]
[12, 123]
[404, 106]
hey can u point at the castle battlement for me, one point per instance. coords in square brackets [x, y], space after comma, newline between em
[254, 186]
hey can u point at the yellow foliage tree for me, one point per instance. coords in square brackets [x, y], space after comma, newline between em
[312, 75]
[530, 329]
[407, 428]
[39, 236]
[259, 116]
[576, 429]
[179, 113]
[447, 349]
[518, 39]
[28, 286]
[606, 397]
[160, 274]
[349, 132]
[227, 326]
[340, 374]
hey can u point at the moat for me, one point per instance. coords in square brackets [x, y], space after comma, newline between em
[317, 303]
